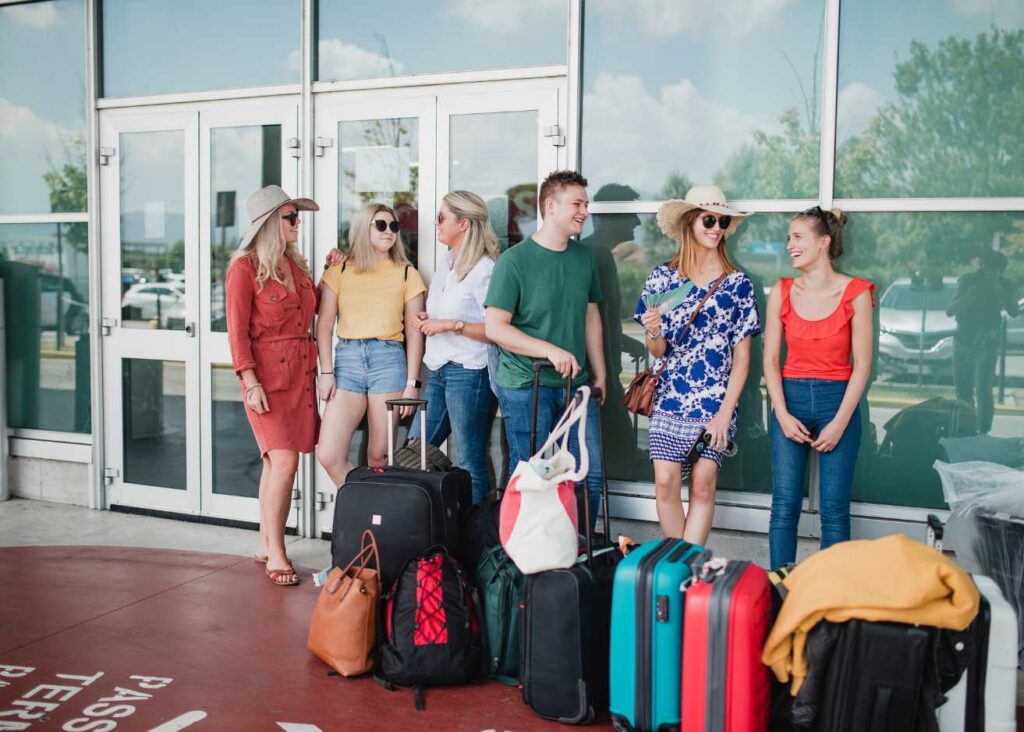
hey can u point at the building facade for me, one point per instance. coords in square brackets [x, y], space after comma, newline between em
[132, 132]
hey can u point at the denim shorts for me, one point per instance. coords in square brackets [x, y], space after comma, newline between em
[369, 366]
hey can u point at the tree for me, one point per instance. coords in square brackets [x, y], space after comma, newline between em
[69, 192]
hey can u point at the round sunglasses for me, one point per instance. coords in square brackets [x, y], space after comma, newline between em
[382, 225]
[709, 221]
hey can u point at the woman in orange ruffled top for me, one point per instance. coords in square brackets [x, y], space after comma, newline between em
[825, 318]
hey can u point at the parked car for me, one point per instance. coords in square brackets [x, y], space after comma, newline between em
[914, 330]
[151, 300]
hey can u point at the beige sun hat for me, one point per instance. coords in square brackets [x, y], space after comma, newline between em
[706, 198]
[262, 204]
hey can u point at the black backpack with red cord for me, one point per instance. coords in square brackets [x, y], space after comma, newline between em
[432, 627]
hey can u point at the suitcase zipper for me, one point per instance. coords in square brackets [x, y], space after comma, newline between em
[719, 604]
[644, 632]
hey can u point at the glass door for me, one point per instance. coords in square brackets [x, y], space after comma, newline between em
[243, 146]
[150, 308]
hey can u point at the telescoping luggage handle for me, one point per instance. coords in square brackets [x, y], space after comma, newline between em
[539, 364]
[420, 404]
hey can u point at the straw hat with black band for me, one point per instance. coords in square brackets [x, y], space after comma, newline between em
[262, 204]
[706, 198]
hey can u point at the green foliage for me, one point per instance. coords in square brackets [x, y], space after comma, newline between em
[69, 192]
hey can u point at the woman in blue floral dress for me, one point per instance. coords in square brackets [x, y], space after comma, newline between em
[704, 364]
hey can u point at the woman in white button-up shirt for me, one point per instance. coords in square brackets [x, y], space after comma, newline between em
[460, 402]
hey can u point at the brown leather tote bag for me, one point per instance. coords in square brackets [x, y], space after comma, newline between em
[343, 630]
[639, 396]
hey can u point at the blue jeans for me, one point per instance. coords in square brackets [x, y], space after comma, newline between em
[814, 402]
[460, 403]
[517, 411]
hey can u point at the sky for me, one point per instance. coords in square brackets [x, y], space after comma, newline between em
[668, 84]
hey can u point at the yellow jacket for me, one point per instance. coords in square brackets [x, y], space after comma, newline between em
[892, 579]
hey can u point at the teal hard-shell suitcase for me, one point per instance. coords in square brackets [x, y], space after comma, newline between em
[647, 635]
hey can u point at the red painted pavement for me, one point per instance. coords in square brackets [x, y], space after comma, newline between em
[102, 638]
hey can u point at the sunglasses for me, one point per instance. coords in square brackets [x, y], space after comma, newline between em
[292, 218]
[382, 225]
[709, 221]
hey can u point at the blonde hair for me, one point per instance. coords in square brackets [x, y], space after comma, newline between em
[479, 239]
[686, 256]
[360, 250]
[266, 250]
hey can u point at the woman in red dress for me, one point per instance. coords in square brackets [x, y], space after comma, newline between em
[270, 304]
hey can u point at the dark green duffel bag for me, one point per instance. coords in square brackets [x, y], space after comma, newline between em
[501, 588]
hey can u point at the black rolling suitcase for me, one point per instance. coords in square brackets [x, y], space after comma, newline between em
[566, 628]
[409, 510]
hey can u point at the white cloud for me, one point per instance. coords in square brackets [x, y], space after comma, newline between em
[694, 18]
[642, 138]
[33, 15]
[27, 141]
[340, 60]
[857, 105]
[497, 17]
[1005, 13]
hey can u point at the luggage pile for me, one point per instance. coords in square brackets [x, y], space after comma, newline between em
[866, 636]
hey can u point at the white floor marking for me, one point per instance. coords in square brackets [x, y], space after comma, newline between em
[295, 727]
[185, 720]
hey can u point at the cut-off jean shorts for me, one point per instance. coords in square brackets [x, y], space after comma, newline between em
[369, 366]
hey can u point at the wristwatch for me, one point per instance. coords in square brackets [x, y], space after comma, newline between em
[414, 383]
[459, 326]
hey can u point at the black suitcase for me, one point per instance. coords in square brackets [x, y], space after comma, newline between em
[566, 620]
[876, 679]
[408, 510]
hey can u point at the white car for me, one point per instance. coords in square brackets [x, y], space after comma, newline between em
[915, 331]
[148, 300]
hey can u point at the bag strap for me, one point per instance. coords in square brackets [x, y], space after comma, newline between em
[693, 317]
[367, 551]
[575, 414]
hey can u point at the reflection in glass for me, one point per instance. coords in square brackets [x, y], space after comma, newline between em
[153, 230]
[237, 464]
[45, 272]
[948, 371]
[401, 37]
[495, 156]
[153, 400]
[242, 160]
[379, 163]
[42, 107]
[931, 107]
[168, 46]
[667, 104]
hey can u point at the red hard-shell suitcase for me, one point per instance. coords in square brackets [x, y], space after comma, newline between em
[725, 686]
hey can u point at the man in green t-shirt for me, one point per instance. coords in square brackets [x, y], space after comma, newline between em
[543, 303]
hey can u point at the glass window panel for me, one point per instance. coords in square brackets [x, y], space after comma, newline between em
[242, 160]
[42, 107]
[495, 156]
[153, 230]
[380, 164]
[401, 37]
[923, 387]
[237, 463]
[726, 95]
[45, 272]
[169, 46]
[930, 99]
[153, 402]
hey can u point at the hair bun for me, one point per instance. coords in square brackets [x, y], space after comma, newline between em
[840, 215]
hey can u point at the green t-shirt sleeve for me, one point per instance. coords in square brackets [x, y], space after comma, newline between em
[506, 288]
[595, 294]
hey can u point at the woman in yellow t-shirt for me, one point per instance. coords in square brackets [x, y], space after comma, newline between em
[373, 297]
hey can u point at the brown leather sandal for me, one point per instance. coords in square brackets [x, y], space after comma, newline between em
[275, 576]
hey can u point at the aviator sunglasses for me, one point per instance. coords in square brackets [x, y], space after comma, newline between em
[292, 218]
[709, 221]
[383, 225]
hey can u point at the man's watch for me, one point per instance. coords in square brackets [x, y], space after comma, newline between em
[416, 383]
[460, 325]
